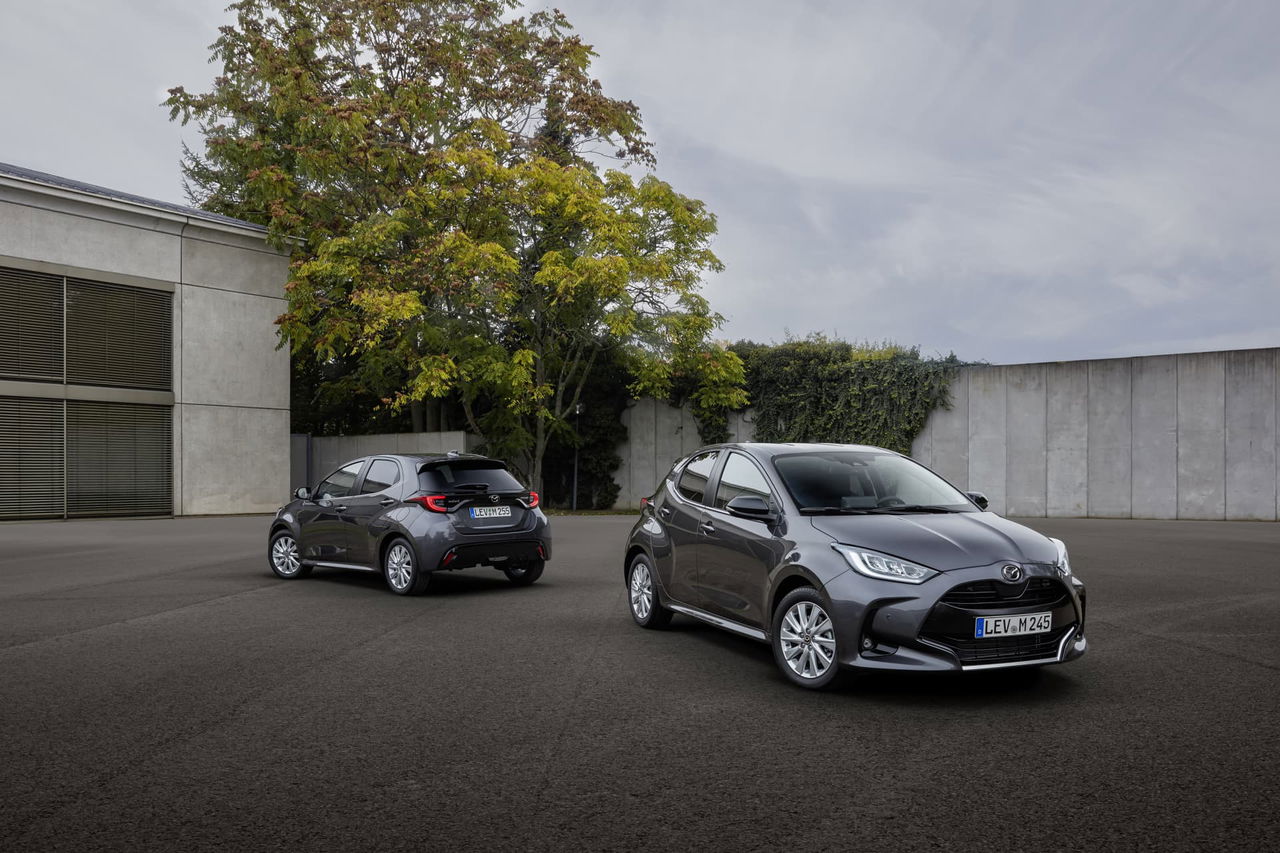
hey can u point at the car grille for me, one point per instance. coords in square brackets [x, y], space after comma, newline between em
[1036, 592]
[971, 650]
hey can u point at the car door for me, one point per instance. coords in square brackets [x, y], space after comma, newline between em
[321, 524]
[680, 510]
[737, 554]
[378, 491]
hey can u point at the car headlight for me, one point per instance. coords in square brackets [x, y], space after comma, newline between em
[882, 566]
[1064, 564]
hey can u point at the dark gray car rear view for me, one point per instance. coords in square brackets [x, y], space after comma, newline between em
[850, 557]
[410, 516]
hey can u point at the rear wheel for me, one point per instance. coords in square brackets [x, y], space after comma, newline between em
[523, 574]
[284, 557]
[804, 640]
[400, 568]
[643, 596]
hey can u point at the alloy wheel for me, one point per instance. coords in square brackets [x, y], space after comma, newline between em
[808, 640]
[284, 556]
[399, 567]
[641, 591]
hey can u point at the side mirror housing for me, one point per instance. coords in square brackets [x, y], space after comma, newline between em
[302, 493]
[979, 498]
[751, 506]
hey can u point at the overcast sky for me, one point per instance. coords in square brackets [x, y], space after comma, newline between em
[1011, 181]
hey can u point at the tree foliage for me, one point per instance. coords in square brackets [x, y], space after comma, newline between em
[435, 164]
[817, 389]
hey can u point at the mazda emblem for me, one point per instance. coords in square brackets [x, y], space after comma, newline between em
[493, 499]
[1012, 573]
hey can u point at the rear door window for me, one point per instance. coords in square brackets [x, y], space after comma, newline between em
[467, 476]
[693, 479]
[383, 474]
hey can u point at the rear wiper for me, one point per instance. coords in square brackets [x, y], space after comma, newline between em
[913, 508]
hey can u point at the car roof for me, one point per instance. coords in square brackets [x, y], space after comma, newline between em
[768, 450]
[427, 457]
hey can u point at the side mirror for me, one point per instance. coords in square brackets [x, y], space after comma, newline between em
[751, 506]
[301, 493]
[979, 498]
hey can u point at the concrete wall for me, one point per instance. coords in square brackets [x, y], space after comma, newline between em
[657, 435]
[329, 453]
[1178, 436]
[231, 409]
[231, 384]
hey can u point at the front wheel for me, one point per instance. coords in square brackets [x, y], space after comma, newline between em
[804, 640]
[400, 568]
[523, 574]
[284, 557]
[643, 596]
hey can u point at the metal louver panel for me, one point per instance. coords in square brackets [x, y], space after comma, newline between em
[30, 325]
[118, 335]
[119, 459]
[31, 472]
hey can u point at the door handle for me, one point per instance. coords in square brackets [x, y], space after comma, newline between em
[340, 508]
[386, 502]
[707, 527]
[664, 511]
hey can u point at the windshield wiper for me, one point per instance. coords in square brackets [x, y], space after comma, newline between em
[834, 510]
[913, 508]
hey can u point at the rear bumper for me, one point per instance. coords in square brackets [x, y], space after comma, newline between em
[497, 554]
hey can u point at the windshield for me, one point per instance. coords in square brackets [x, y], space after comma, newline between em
[865, 480]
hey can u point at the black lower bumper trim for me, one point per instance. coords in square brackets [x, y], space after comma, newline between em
[497, 554]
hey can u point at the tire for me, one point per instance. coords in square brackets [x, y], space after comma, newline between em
[642, 595]
[523, 574]
[804, 640]
[284, 558]
[400, 569]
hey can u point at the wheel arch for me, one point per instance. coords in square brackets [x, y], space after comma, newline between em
[796, 578]
[634, 551]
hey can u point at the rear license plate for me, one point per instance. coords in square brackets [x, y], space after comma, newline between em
[1012, 626]
[491, 512]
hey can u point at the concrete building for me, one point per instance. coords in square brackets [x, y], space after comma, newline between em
[139, 373]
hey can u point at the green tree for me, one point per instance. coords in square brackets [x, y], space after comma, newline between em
[818, 389]
[435, 164]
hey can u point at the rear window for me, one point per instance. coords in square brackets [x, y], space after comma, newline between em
[451, 476]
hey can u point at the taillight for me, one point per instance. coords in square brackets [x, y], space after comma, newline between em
[645, 503]
[435, 503]
[533, 500]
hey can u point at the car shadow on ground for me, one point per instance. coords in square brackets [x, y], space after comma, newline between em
[1018, 685]
[466, 582]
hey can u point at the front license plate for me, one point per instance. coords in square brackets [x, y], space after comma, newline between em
[1012, 626]
[491, 512]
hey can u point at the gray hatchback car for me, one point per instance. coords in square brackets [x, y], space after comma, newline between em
[411, 516]
[850, 557]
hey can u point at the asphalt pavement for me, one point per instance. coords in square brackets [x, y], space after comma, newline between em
[160, 689]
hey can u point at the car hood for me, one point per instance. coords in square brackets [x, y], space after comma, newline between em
[941, 541]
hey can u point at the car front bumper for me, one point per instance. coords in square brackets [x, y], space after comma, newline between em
[883, 625]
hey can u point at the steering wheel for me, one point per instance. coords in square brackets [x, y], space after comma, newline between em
[892, 500]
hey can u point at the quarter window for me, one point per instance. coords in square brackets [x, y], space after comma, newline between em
[340, 482]
[740, 477]
[383, 474]
[693, 480]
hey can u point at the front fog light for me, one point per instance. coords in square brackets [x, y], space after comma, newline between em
[882, 566]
